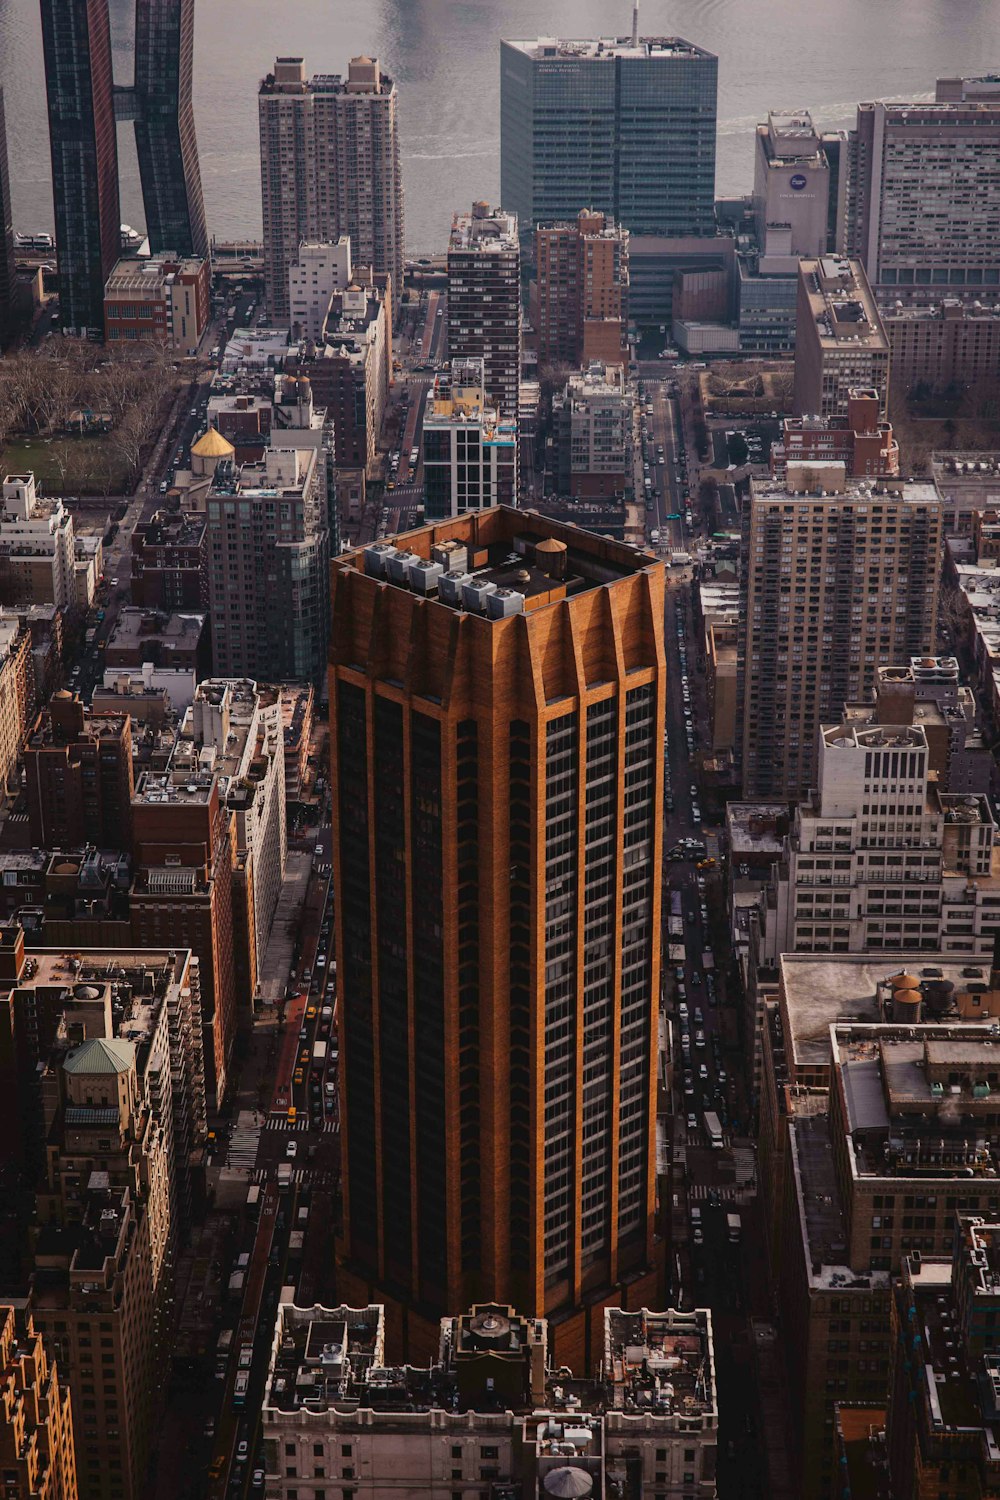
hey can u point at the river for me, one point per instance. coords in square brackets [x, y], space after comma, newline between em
[444, 56]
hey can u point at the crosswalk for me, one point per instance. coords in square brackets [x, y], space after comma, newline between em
[330, 1125]
[300, 1176]
[699, 1192]
[244, 1141]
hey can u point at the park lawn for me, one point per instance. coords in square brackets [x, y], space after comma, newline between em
[69, 466]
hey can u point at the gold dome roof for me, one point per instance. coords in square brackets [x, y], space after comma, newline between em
[212, 445]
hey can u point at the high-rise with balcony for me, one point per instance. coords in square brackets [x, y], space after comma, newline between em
[484, 300]
[497, 687]
[837, 580]
[329, 166]
[626, 127]
[36, 1418]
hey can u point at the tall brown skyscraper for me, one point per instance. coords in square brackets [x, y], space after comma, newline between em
[496, 707]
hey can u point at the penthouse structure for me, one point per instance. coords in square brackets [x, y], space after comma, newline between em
[837, 580]
[584, 123]
[582, 291]
[329, 166]
[269, 552]
[469, 454]
[923, 208]
[874, 1133]
[859, 439]
[490, 1406]
[512, 670]
[840, 340]
[36, 1428]
[484, 300]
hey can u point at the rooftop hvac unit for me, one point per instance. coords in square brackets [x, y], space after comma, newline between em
[450, 586]
[376, 556]
[504, 602]
[474, 592]
[424, 576]
[397, 565]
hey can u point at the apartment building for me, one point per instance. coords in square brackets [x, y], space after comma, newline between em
[350, 370]
[923, 209]
[182, 895]
[320, 269]
[490, 1412]
[943, 346]
[102, 1066]
[506, 675]
[879, 858]
[269, 554]
[484, 300]
[942, 1403]
[329, 166]
[37, 547]
[78, 777]
[582, 291]
[875, 1131]
[17, 684]
[582, 123]
[840, 340]
[860, 440]
[37, 1453]
[235, 727]
[169, 563]
[469, 453]
[837, 579]
[159, 299]
[592, 421]
[929, 692]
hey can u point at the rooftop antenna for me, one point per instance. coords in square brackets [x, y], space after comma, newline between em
[635, 23]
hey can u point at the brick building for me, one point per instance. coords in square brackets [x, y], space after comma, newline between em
[159, 300]
[78, 770]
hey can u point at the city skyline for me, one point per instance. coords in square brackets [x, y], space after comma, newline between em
[500, 767]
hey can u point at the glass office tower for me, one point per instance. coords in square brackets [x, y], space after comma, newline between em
[625, 130]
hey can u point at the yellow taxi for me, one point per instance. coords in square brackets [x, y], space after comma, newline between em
[297, 1076]
[310, 1012]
